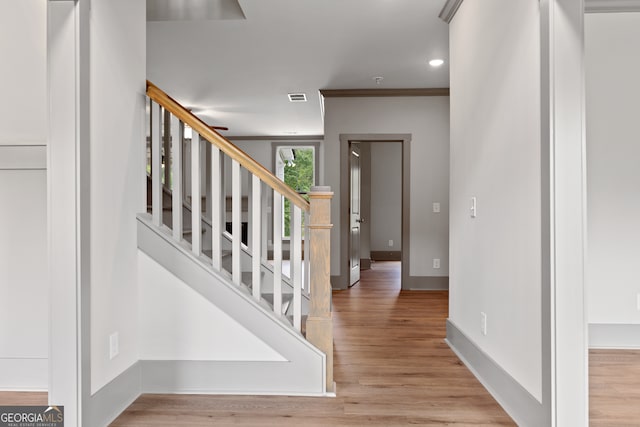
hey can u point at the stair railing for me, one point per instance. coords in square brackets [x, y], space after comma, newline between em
[309, 269]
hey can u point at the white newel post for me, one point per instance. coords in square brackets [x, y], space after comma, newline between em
[320, 322]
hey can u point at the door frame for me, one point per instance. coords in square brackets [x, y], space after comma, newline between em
[355, 152]
[345, 186]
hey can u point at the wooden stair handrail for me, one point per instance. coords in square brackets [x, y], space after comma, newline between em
[225, 145]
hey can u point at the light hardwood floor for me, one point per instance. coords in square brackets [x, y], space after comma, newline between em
[392, 368]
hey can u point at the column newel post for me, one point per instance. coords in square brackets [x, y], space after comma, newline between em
[320, 323]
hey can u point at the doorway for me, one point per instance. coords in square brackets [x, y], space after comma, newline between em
[355, 219]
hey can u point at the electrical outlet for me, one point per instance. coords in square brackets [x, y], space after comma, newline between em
[483, 323]
[114, 345]
[436, 263]
[390, 243]
[638, 301]
[436, 207]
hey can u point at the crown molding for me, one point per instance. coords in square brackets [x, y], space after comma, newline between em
[352, 93]
[590, 6]
[611, 6]
[449, 10]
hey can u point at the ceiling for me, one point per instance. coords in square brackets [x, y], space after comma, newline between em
[237, 72]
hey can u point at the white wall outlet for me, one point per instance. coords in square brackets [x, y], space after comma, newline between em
[638, 301]
[436, 207]
[474, 208]
[114, 345]
[436, 263]
[390, 243]
[483, 323]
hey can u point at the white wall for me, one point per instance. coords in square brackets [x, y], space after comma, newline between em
[386, 196]
[24, 298]
[495, 156]
[23, 72]
[427, 120]
[613, 169]
[177, 323]
[117, 134]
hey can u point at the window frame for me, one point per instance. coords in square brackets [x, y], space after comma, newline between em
[275, 151]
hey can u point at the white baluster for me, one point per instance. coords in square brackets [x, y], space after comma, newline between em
[249, 181]
[196, 196]
[264, 237]
[256, 244]
[277, 253]
[296, 264]
[216, 208]
[156, 160]
[166, 142]
[236, 220]
[307, 250]
[176, 180]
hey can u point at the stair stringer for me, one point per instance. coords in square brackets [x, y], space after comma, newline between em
[303, 371]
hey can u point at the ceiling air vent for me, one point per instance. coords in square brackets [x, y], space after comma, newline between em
[298, 97]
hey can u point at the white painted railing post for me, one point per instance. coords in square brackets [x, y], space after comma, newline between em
[177, 130]
[156, 160]
[196, 197]
[305, 269]
[295, 258]
[216, 208]
[236, 221]
[166, 143]
[320, 322]
[256, 244]
[277, 253]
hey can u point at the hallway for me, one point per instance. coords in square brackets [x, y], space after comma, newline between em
[392, 367]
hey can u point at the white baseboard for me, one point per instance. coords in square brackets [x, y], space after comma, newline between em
[220, 377]
[23, 157]
[24, 374]
[611, 6]
[111, 400]
[525, 409]
[614, 335]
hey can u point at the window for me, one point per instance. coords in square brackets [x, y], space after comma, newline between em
[295, 165]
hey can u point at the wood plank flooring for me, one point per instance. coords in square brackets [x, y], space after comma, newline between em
[22, 398]
[392, 368]
[614, 388]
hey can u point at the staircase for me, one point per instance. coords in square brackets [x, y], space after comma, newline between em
[214, 220]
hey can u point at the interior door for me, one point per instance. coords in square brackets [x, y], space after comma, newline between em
[354, 213]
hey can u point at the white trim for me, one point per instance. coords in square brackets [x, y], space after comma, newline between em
[226, 377]
[525, 409]
[614, 336]
[115, 397]
[24, 374]
[67, 206]
[611, 6]
[564, 324]
[449, 10]
[23, 157]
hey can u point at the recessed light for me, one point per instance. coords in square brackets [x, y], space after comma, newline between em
[436, 62]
